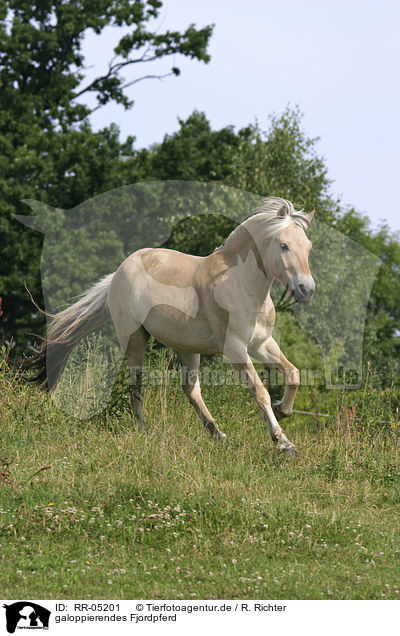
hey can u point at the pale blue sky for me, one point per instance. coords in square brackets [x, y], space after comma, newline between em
[338, 60]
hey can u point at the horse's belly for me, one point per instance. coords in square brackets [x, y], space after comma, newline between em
[179, 330]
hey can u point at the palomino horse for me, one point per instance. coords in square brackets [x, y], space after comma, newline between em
[215, 304]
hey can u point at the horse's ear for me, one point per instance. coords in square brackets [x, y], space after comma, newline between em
[282, 211]
[310, 216]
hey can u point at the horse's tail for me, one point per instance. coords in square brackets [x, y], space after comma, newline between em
[66, 329]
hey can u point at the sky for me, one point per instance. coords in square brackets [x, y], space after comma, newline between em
[339, 61]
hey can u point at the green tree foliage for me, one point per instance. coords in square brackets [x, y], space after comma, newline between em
[48, 151]
[194, 153]
[381, 336]
[282, 161]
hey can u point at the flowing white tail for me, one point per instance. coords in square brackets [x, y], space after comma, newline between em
[66, 329]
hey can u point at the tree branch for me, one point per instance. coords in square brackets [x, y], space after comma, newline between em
[113, 71]
[135, 81]
[140, 79]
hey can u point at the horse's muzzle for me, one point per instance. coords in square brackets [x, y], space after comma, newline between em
[303, 289]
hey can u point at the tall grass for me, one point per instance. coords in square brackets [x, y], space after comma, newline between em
[99, 509]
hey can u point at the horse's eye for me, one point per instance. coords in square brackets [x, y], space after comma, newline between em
[284, 247]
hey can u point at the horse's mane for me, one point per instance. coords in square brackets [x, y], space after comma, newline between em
[274, 215]
[271, 217]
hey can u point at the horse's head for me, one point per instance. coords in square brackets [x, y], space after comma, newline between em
[288, 261]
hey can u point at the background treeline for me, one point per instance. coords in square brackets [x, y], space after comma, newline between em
[49, 152]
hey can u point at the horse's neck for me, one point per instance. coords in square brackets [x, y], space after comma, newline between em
[243, 253]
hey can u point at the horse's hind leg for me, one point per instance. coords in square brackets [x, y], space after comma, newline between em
[134, 353]
[270, 353]
[191, 387]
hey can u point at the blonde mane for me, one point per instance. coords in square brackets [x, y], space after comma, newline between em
[273, 216]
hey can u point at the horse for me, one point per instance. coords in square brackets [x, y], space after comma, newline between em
[219, 303]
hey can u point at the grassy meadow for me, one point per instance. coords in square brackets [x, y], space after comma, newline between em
[98, 509]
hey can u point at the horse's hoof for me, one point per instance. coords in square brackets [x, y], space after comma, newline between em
[289, 450]
[214, 431]
[218, 435]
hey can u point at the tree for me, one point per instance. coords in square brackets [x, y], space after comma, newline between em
[194, 153]
[382, 329]
[41, 63]
[48, 151]
[281, 161]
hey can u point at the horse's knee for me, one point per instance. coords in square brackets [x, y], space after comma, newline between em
[293, 377]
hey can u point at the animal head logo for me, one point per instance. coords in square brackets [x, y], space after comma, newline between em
[26, 615]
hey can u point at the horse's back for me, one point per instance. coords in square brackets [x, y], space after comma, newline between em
[156, 288]
[171, 267]
[164, 266]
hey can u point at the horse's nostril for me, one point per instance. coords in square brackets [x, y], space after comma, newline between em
[302, 289]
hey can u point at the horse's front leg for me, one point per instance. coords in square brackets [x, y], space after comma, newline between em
[241, 361]
[270, 354]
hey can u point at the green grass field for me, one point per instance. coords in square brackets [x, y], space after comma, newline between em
[97, 509]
